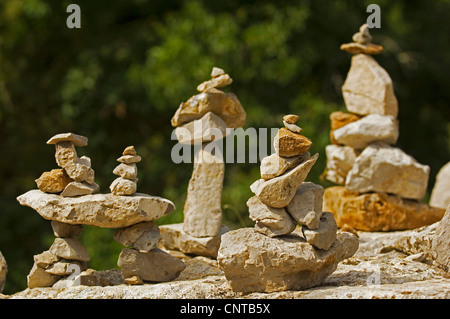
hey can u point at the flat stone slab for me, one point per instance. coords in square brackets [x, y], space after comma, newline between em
[101, 210]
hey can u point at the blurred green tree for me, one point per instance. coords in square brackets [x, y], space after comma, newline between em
[119, 79]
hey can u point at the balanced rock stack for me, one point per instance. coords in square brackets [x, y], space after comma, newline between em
[382, 183]
[204, 118]
[134, 216]
[277, 255]
[126, 183]
[76, 177]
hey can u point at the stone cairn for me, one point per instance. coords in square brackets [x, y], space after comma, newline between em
[201, 120]
[70, 207]
[382, 184]
[277, 255]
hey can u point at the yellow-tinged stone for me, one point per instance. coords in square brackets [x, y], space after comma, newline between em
[54, 181]
[290, 144]
[377, 211]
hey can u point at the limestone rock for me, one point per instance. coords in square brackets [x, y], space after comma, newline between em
[129, 159]
[142, 236]
[270, 221]
[441, 242]
[79, 189]
[363, 35]
[371, 128]
[208, 128]
[3, 271]
[45, 259]
[69, 248]
[75, 139]
[440, 196]
[63, 230]
[101, 210]
[290, 118]
[339, 119]
[292, 127]
[217, 72]
[65, 267]
[129, 150]
[66, 157]
[325, 235]
[357, 48]
[275, 165]
[216, 82]
[377, 211]
[253, 262]
[127, 171]
[382, 168]
[340, 160]
[53, 182]
[306, 206]
[279, 191]
[122, 186]
[225, 105]
[156, 265]
[38, 277]
[174, 237]
[202, 209]
[368, 88]
[290, 144]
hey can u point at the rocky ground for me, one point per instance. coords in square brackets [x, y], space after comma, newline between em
[392, 265]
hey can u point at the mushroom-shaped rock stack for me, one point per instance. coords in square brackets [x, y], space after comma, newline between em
[202, 119]
[75, 206]
[383, 184]
[277, 255]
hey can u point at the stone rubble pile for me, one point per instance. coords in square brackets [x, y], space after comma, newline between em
[201, 120]
[133, 214]
[382, 184]
[277, 255]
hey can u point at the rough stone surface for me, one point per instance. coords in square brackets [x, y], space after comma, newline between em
[75, 139]
[66, 157]
[290, 144]
[253, 262]
[65, 267]
[45, 259]
[142, 236]
[79, 189]
[202, 209]
[340, 160]
[279, 191]
[215, 72]
[208, 128]
[225, 105]
[382, 168]
[370, 128]
[54, 181]
[121, 186]
[129, 159]
[357, 48]
[270, 221]
[102, 210]
[63, 230]
[38, 277]
[69, 248]
[377, 211]
[373, 272]
[129, 150]
[306, 206]
[292, 127]
[216, 82]
[156, 265]
[275, 165]
[3, 271]
[127, 171]
[440, 196]
[368, 88]
[325, 235]
[291, 118]
[174, 237]
[339, 119]
[441, 242]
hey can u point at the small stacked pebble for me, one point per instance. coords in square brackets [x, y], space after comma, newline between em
[126, 183]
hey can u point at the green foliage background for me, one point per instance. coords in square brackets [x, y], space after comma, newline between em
[119, 79]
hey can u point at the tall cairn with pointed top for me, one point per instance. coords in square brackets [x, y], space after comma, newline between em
[382, 184]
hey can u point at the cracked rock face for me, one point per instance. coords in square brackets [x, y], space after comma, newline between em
[253, 262]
